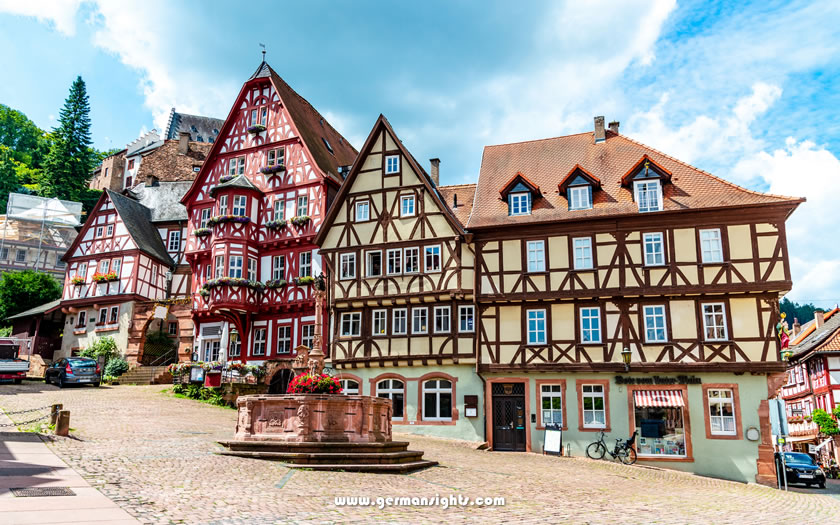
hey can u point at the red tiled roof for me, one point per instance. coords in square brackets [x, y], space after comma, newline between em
[465, 194]
[809, 327]
[519, 176]
[547, 161]
[645, 158]
[578, 168]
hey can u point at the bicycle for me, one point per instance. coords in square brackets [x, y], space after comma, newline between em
[623, 450]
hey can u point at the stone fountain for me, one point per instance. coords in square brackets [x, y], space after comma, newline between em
[320, 431]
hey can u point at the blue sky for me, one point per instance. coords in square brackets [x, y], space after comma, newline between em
[744, 90]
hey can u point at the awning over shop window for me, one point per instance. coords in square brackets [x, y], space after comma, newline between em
[658, 398]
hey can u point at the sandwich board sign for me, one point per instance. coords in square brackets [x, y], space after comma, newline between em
[553, 442]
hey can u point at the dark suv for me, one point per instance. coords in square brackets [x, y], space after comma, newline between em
[73, 370]
[800, 468]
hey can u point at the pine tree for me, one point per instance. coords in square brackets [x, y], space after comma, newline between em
[71, 159]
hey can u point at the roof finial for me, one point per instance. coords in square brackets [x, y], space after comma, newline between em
[263, 52]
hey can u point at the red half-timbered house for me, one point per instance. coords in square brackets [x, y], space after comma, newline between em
[254, 210]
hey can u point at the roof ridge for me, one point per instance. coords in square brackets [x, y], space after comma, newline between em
[537, 140]
[457, 185]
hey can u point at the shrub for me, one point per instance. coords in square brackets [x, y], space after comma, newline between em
[116, 367]
[103, 347]
[826, 423]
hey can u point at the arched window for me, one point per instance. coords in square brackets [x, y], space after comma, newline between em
[393, 389]
[349, 387]
[437, 400]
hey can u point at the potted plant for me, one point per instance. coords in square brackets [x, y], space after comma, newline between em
[314, 384]
[77, 281]
[277, 224]
[269, 170]
[202, 232]
[105, 277]
[259, 128]
[226, 178]
[300, 220]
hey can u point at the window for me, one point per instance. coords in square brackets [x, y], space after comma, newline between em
[437, 400]
[99, 231]
[212, 350]
[466, 318]
[278, 267]
[234, 345]
[115, 314]
[590, 325]
[551, 401]
[442, 319]
[82, 318]
[259, 341]
[347, 264]
[659, 420]
[721, 411]
[205, 216]
[406, 205]
[307, 336]
[302, 205]
[351, 324]
[594, 409]
[412, 260]
[305, 264]
[419, 320]
[279, 210]
[520, 203]
[103, 266]
[392, 164]
[131, 164]
[362, 211]
[103, 315]
[648, 195]
[235, 268]
[580, 198]
[394, 261]
[220, 266]
[276, 156]
[583, 253]
[240, 205]
[394, 390]
[154, 275]
[536, 256]
[4, 254]
[655, 324]
[654, 249]
[173, 328]
[174, 240]
[711, 246]
[82, 270]
[432, 258]
[379, 323]
[109, 230]
[252, 269]
[536, 327]
[284, 340]
[374, 264]
[236, 166]
[116, 266]
[398, 324]
[128, 182]
[714, 322]
[223, 205]
[349, 387]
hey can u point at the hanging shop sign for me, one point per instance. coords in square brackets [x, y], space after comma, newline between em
[658, 380]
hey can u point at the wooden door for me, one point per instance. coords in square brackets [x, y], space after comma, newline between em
[509, 418]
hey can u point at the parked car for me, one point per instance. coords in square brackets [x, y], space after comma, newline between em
[11, 365]
[800, 468]
[73, 370]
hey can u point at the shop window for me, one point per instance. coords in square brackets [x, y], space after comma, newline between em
[654, 249]
[593, 402]
[394, 390]
[348, 265]
[659, 417]
[379, 323]
[399, 322]
[536, 256]
[351, 324]
[259, 341]
[437, 400]
[721, 402]
[551, 401]
[349, 387]
[284, 340]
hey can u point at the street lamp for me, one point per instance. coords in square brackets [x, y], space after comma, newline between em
[626, 356]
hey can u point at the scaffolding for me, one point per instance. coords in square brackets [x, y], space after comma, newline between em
[39, 230]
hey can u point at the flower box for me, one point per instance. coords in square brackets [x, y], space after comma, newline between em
[259, 128]
[232, 281]
[105, 277]
[300, 220]
[269, 170]
[226, 178]
[314, 384]
[276, 283]
[77, 281]
[202, 232]
[276, 224]
[304, 281]
[219, 219]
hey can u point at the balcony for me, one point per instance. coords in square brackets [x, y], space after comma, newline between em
[232, 228]
[229, 294]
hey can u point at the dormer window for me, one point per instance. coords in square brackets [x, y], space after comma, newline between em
[578, 186]
[648, 195]
[580, 197]
[520, 203]
[647, 178]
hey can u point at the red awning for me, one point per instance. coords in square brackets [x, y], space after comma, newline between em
[658, 398]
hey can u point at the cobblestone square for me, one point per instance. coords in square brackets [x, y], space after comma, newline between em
[153, 455]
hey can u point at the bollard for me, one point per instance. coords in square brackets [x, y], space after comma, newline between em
[62, 427]
[54, 413]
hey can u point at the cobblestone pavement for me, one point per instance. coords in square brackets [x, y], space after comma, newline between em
[153, 455]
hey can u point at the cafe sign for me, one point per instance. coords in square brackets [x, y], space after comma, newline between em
[658, 380]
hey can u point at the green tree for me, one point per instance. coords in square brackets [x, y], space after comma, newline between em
[802, 312]
[21, 291]
[26, 140]
[71, 158]
[826, 423]
[8, 177]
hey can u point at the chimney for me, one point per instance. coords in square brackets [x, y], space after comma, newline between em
[454, 200]
[796, 327]
[614, 126]
[819, 317]
[183, 142]
[600, 133]
[152, 180]
[435, 171]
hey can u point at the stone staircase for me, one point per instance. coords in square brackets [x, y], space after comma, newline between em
[146, 375]
[392, 457]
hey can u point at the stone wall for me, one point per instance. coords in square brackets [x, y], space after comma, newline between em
[144, 312]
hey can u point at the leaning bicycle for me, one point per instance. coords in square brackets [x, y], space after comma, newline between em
[623, 450]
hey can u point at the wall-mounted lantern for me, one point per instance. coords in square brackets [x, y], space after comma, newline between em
[626, 356]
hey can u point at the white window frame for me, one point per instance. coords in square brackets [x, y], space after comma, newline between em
[579, 197]
[116, 266]
[362, 211]
[392, 164]
[353, 321]
[284, 339]
[252, 269]
[430, 251]
[104, 265]
[234, 345]
[711, 246]
[259, 341]
[466, 313]
[419, 326]
[399, 321]
[643, 190]
[539, 335]
[520, 203]
[369, 265]
[442, 319]
[725, 396]
[307, 335]
[714, 317]
[240, 206]
[407, 206]
[347, 266]
[303, 205]
[590, 335]
[411, 254]
[220, 266]
[223, 205]
[437, 390]
[388, 392]
[394, 256]
[656, 240]
[109, 230]
[174, 243]
[305, 269]
[100, 232]
[278, 267]
[595, 391]
[279, 209]
[235, 266]
[103, 316]
[655, 312]
[346, 389]
[379, 323]
[550, 394]
[205, 216]
[536, 256]
[583, 253]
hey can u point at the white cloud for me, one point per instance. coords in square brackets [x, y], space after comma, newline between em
[61, 14]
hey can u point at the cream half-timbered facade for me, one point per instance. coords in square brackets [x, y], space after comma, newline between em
[254, 209]
[401, 277]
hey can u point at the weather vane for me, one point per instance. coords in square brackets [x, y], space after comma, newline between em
[263, 50]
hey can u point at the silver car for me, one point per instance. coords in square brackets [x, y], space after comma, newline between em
[74, 370]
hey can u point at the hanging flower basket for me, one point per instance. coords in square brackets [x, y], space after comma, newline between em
[276, 283]
[314, 384]
[105, 277]
[278, 224]
[300, 220]
[226, 178]
[204, 292]
[304, 281]
[218, 219]
[202, 232]
[77, 281]
[269, 170]
[259, 128]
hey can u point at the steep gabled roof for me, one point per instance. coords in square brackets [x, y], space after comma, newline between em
[38, 310]
[382, 124]
[137, 219]
[201, 129]
[240, 181]
[545, 161]
[465, 193]
[625, 179]
[519, 177]
[824, 338]
[578, 170]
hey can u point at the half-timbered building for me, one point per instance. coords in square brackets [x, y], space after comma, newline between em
[401, 278]
[254, 210]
